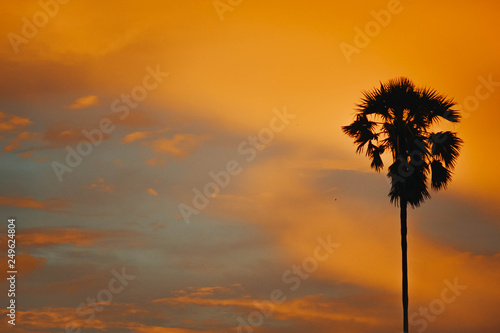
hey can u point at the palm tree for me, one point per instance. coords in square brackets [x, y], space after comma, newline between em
[397, 117]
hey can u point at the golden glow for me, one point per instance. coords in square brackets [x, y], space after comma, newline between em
[225, 79]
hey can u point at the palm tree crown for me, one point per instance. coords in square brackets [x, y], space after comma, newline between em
[397, 117]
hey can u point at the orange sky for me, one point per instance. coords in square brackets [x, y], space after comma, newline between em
[175, 92]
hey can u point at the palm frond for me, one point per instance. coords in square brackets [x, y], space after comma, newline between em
[441, 176]
[374, 153]
[445, 146]
[451, 115]
[396, 117]
[374, 102]
[361, 129]
[408, 182]
[438, 106]
[358, 126]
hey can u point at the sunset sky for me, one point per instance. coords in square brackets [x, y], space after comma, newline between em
[296, 233]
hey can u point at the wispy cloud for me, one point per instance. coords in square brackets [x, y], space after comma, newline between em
[52, 204]
[136, 136]
[65, 133]
[42, 237]
[85, 102]
[101, 186]
[180, 145]
[30, 263]
[16, 141]
[12, 123]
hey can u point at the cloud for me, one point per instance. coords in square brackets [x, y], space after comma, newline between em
[51, 204]
[100, 186]
[85, 102]
[361, 220]
[12, 123]
[28, 263]
[42, 237]
[26, 155]
[135, 136]
[311, 307]
[139, 328]
[16, 141]
[181, 145]
[123, 317]
[65, 133]
[207, 292]
[282, 204]
[54, 318]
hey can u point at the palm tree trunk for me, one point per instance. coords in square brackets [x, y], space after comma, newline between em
[405, 264]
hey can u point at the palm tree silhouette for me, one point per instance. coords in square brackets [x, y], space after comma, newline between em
[397, 117]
